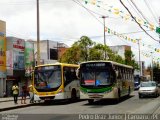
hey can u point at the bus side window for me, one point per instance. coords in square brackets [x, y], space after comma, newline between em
[68, 74]
[113, 76]
[119, 73]
[73, 74]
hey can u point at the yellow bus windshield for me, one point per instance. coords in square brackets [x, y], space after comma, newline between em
[47, 78]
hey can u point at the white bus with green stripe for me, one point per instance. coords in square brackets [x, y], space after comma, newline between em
[105, 79]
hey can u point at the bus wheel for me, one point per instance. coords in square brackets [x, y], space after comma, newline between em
[90, 101]
[140, 96]
[73, 95]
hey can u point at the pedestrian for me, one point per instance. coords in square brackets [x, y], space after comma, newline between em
[23, 94]
[31, 93]
[15, 90]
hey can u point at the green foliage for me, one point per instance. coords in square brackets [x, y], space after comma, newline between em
[156, 72]
[87, 50]
[97, 52]
[72, 55]
[129, 59]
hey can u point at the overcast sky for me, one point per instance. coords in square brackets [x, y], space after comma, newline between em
[66, 21]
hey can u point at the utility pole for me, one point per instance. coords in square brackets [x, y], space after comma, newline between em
[58, 50]
[140, 68]
[105, 54]
[38, 36]
[159, 37]
[159, 26]
[152, 66]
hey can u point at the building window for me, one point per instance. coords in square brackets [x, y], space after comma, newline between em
[53, 54]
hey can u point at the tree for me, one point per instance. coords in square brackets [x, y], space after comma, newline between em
[72, 55]
[97, 52]
[128, 56]
[129, 59]
[156, 71]
[86, 50]
[85, 43]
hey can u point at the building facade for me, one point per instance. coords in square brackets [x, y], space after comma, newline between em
[29, 58]
[18, 58]
[15, 63]
[2, 57]
[21, 56]
[50, 51]
[120, 49]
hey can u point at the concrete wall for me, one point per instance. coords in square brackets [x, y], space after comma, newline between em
[45, 46]
[120, 49]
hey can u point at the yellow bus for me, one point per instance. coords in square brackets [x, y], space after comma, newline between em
[56, 82]
[105, 79]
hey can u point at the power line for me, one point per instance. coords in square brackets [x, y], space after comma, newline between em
[103, 24]
[132, 46]
[125, 33]
[135, 9]
[87, 10]
[91, 12]
[140, 11]
[137, 22]
[151, 11]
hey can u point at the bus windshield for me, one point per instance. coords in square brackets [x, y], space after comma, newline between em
[47, 78]
[96, 78]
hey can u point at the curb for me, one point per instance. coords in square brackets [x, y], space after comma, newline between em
[14, 107]
[19, 106]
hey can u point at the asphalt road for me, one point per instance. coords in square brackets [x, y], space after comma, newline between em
[60, 110]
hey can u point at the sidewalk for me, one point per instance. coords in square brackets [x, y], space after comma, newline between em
[8, 103]
[6, 99]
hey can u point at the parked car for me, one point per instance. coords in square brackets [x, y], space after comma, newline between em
[136, 85]
[149, 88]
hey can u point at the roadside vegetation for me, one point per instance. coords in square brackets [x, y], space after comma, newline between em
[87, 50]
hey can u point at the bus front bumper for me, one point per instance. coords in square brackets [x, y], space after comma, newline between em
[58, 96]
[96, 95]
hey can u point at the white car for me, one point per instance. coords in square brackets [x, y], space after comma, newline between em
[149, 88]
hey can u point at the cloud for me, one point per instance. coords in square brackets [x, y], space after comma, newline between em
[66, 21]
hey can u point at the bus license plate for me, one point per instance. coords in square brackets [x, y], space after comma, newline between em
[95, 95]
[47, 98]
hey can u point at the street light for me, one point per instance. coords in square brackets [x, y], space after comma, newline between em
[38, 36]
[159, 26]
[139, 57]
[152, 66]
[105, 54]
